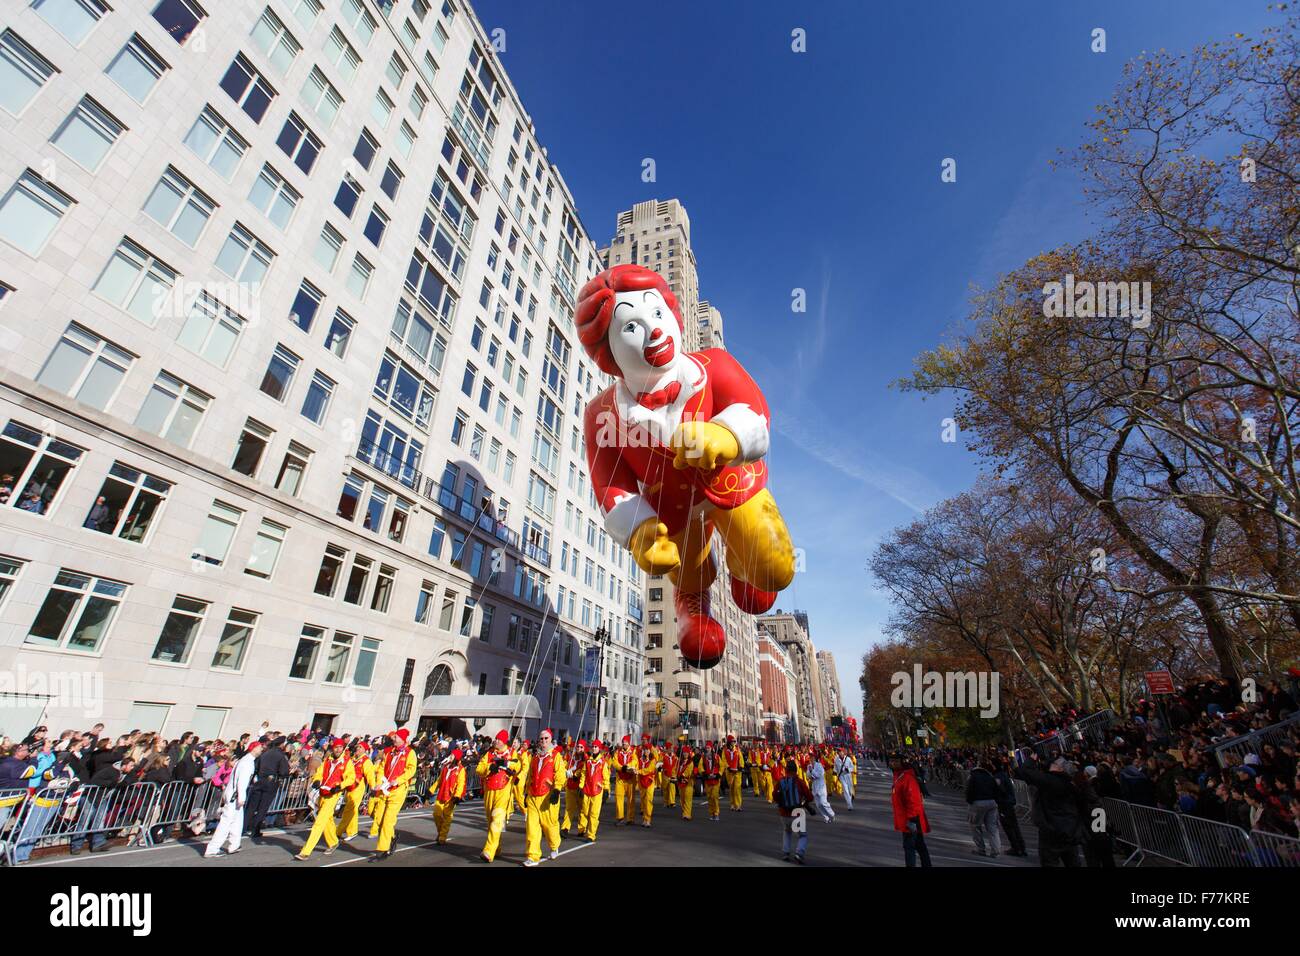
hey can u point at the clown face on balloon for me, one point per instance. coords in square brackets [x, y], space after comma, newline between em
[675, 449]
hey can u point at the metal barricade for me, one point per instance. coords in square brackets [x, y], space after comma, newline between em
[1192, 841]
[1254, 742]
[177, 803]
[76, 814]
[1273, 849]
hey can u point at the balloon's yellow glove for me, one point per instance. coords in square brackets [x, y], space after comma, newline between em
[703, 445]
[652, 549]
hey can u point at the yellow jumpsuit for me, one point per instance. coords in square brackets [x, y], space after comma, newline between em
[398, 770]
[853, 777]
[734, 777]
[362, 772]
[372, 785]
[686, 785]
[496, 803]
[647, 769]
[595, 770]
[755, 771]
[711, 786]
[542, 810]
[624, 761]
[668, 764]
[324, 825]
[518, 788]
[451, 787]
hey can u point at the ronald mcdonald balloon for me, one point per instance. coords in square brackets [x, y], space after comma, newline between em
[675, 449]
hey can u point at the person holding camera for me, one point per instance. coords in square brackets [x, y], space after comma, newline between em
[542, 789]
[496, 771]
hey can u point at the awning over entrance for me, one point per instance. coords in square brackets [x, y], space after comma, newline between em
[469, 706]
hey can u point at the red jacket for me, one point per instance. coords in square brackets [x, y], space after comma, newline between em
[906, 798]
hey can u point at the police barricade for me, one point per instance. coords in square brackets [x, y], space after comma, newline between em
[72, 815]
[1253, 743]
[295, 800]
[1192, 841]
[182, 804]
[11, 805]
[1024, 798]
[1274, 849]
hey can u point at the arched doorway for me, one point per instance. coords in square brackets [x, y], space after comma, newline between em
[439, 683]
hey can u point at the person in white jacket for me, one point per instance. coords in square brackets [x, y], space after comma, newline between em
[844, 768]
[817, 777]
[233, 797]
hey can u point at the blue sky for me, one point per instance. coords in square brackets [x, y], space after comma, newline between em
[821, 171]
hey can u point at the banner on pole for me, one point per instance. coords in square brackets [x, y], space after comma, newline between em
[591, 667]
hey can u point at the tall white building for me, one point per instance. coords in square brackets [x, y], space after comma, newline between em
[289, 386]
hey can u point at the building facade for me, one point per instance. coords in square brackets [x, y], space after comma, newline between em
[680, 698]
[290, 392]
[789, 629]
[780, 691]
[831, 691]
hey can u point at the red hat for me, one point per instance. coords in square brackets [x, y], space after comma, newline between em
[595, 745]
[645, 736]
[582, 745]
[627, 738]
[254, 743]
[731, 736]
[503, 736]
[456, 754]
[403, 735]
[548, 730]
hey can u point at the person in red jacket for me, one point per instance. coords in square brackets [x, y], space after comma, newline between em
[909, 811]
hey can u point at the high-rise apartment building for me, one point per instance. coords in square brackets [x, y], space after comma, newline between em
[723, 700]
[832, 692]
[789, 629]
[779, 691]
[290, 392]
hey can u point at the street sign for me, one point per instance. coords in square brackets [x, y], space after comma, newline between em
[591, 667]
[1160, 682]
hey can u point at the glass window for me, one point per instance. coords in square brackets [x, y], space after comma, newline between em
[218, 531]
[320, 94]
[36, 463]
[331, 568]
[340, 333]
[366, 658]
[292, 469]
[172, 410]
[213, 140]
[30, 211]
[274, 197]
[211, 330]
[365, 150]
[355, 589]
[136, 282]
[127, 503]
[299, 143]
[278, 377]
[244, 256]
[77, 612]
[304, 656]
[86, 367]
[247, 87]
[236, 635]
[305, 306]
[180, 630]
[73, 18]
[136, 69]
[266, 549]
[87, 134]
[273, 38]
[179, 207]
[358, 282]
[23, 72]
[178, 17]
[253, 441]
[316, 404]
[336, 662]
[328, 247]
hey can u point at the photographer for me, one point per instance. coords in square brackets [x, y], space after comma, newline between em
[793, 802]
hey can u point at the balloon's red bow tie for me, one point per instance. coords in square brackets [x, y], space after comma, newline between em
[658, 399]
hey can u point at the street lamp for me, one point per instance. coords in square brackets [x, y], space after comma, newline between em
[602, 641]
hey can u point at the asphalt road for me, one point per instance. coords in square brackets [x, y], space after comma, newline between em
[752, 837]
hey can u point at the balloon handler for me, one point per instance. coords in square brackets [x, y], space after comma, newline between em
[675, 449]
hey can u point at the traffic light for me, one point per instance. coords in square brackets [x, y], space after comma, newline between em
[659, 706]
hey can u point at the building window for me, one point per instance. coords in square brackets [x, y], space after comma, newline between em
[328, 247]
[211, 330]
[35, 462]
[316, 403]
[244, 256]
[359, 277]
[391, 181]
[274, 197]
[178, 17]
[179, 631]
[30, 211]
[331, 568]
[365, 151]
[355, 590]
[9, 569]
[349, 192]
[127, 503]
[235, 638]
[278, 378]
[267, 545]
[362, 22]
[86, 367]
[136, 282]
[376, 226]
[23, 72]
[77, 612]
[178, 206]
[213, 141]
[366, 658]
[72, 18]
[304, 656]
[253, 441]
[87, 134]
[339, 52]
[340, 333]
[424, 603]
[448, 610]
[247, 87]
[305, 306]
[292, 469]
[172, 410]
[218, 531]
[383, 593]
[273, 38]
[136, 69]
[321, 96]
[299, 143]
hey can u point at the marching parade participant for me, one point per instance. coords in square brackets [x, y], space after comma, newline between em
[686, 780]
[844, 773]
[362, 775]
[523, 753]
[754, 759]
[450, 791]
[668, 764]
[335, 775]
[572, 793]
[546, 778]
[828, 765]
[624, 779]
[373, 762]
[394, 780]
[647, 759]
[593, 784]
[767, 758]
[733, 761]
[497, 770]
[710, 771]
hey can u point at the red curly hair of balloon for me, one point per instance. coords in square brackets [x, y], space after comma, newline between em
[596, 307]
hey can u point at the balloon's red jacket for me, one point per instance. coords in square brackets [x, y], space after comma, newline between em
[631, 465]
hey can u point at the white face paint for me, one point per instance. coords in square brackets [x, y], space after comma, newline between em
[643, 336]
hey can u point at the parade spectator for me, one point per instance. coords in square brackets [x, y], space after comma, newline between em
[982, 794]
[909, 812]
[1056, 813]
[793, 802]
